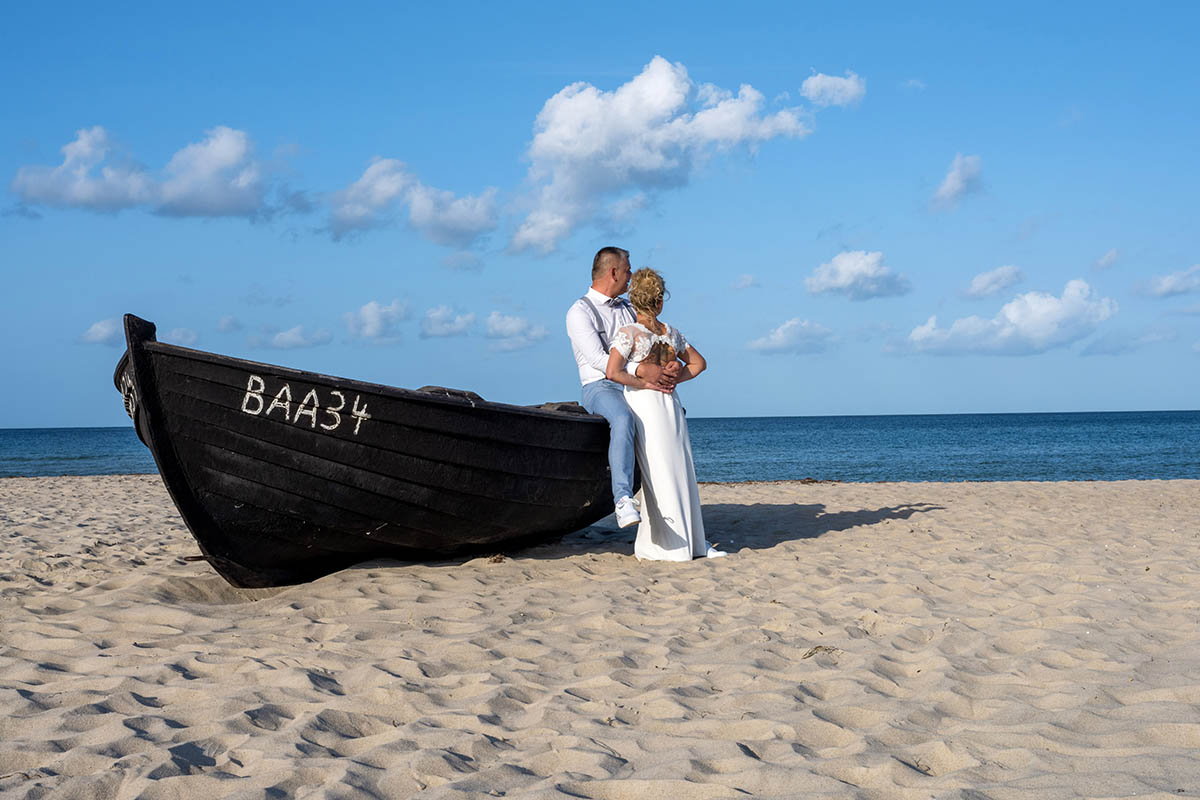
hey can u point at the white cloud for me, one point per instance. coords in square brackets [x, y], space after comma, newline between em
[294, 338]
[228, 324]
[962, 178]
[1107, 260]
[182, 336]
[386, 185]
[794, 336]
[500, 326]
[83, 179]
[361, 204]
[106, 331]
[1184, 281]
[745, 282]
[830, 90]
[377, 322]
[915, 84]
[216, 177]
[513, 333]
[591, 146]
[455, 222]
[859, 275]
[986, 284]
[442, 321]
[1030, 323]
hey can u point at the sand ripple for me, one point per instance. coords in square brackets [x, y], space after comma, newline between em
[870, 641]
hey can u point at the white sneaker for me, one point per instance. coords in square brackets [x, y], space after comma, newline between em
[627, 512]
[713, 552]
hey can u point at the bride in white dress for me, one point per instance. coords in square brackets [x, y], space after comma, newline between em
[672, 527]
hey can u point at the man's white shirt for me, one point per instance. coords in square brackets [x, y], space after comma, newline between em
[591, 354]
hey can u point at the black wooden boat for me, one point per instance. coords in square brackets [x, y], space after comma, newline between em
[283, 476]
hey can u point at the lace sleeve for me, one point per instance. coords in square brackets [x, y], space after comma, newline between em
[623, 342]
[680, 344]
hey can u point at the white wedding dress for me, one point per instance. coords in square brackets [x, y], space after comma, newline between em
[672, 528]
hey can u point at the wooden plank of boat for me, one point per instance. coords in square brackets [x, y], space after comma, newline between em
[284, 475]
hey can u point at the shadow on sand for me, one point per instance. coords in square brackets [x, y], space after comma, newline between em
[734, 526]
[761, 525]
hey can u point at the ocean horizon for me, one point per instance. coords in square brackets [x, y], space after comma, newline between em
[1042, 446]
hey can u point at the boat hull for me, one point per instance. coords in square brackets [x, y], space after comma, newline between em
[283, 476]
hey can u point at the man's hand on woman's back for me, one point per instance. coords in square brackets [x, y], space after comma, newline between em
[662, 379]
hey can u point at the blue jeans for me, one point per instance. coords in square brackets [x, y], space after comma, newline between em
[607, 398]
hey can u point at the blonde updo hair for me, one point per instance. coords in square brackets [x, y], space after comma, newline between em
[647, 290]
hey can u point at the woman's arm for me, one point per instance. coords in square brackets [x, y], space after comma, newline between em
[693, 365]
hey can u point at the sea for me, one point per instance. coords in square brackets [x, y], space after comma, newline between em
[1098, 446]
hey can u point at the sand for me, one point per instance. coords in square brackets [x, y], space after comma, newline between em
[1003, 640]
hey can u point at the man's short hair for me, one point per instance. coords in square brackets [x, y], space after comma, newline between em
[604, 257]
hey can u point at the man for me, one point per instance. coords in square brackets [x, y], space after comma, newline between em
[592, 322]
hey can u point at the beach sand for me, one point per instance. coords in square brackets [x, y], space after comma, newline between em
[996, 640]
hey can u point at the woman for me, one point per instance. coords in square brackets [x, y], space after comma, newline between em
[672, 528]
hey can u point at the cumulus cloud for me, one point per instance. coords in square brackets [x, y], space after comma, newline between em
[859, 275]
[215, 177]
[986, 284]
[228, 324]
[182, 336]
[593, 147]
[962, 179]
[106, 331]
[361, 205]
[386, 186]
[1030, 323]
[451, 221]
[442, 321]
[1107, 260]
[794, 336]
[1184, 281]
[830, 90]
[296, 338]
[914, 84]
[376, 322]
[745, 282]
[513, 333]
[86, 178]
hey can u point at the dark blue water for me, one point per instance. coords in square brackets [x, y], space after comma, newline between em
[950, 447]
[945, 447]
[72, 451]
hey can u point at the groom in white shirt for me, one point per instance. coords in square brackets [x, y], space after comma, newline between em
[592, 322]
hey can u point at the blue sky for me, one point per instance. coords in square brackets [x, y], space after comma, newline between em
[885, 210]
